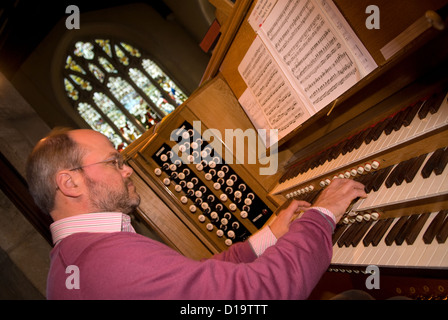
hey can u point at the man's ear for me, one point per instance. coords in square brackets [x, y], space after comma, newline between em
[67, 182]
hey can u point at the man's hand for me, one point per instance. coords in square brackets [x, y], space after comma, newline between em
[281, 223]
[338, 196]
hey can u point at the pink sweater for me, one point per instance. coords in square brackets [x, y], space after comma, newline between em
[123, 265]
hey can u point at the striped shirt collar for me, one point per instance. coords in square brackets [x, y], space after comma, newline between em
[102, 222]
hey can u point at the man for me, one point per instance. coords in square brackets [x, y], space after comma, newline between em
[80, 179]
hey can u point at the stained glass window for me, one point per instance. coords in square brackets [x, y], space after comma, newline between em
[117, 89]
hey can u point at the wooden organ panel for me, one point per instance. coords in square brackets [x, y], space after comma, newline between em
[217, 200]
[389, 131]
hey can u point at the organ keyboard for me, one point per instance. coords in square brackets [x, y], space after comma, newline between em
[416, 121]
[407, 241]
[396, 189]
[388, 228]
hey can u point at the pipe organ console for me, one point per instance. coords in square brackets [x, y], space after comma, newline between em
[390, 132]
[222, 201]
[402, 161]
[218, 201]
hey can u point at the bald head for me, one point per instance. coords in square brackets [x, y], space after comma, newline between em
[89, 138]
[72, 172]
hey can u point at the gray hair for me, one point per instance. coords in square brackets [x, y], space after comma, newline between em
[53, 153]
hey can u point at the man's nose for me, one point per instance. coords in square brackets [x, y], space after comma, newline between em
[127, 171]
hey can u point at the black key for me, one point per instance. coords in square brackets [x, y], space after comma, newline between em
[337, 150]
[340, 228]
[379, 129]
[333, 152]
[349, 145]
[358, 139]
[441, 164]
[324, 156]
[434, 227]
[381, 232]
[295, 170]
[381, 177]
[355, 228]
[390, 238]
[371, 234]
[364, 226]
[315, 160]
[424, 110]
[412, 236]
[442, 235]
[346, 235]
[292, 172]
[390, 126]
[314, 195]
[393, 175]
[298, 169]
[362, 137]
[353, 142]
[369, 180]
[286, 176]
[369, 136]
[359, 178]
[432, 163]
[406, 172]
[406, 229]
[412, 113]
[412, 172]
[346, 232]
[404, 169]
[436, 101]
[399, 121]
[399, 175]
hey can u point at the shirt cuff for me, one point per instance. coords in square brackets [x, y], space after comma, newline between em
[325, 212]
[262, 240]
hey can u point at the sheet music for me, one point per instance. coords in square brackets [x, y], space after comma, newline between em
[304, 57]
[280, 106]
[252, 109]
[310, 51]
[364, 60]
[260, 13]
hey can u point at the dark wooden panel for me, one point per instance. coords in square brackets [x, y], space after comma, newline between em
[16, 189]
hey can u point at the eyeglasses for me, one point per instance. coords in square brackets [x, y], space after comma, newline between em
[117, 161]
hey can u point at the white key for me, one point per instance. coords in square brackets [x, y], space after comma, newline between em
[427, 255]
[419, 246]
[439, 258]
[372, 198]
[397, 259]
[382, 251]
[365, 257]
[443, 186]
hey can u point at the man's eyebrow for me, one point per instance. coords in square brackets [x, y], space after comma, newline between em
[114, 154]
